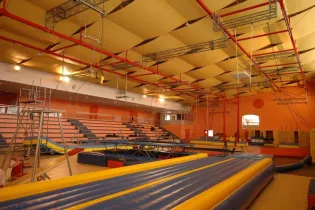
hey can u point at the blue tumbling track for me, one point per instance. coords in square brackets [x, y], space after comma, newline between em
[163, 195]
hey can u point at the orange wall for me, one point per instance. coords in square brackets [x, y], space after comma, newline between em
[71, 108]
[125, 113]
[272, 116]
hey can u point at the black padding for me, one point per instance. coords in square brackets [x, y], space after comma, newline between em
[92, 158]
[294, 166]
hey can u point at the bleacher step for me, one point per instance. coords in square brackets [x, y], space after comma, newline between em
[82, 129]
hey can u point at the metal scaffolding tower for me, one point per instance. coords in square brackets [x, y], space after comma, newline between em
[33, 115]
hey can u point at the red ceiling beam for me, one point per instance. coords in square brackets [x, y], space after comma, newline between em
[65, 47]
[140, 75]
[81, 43]
[288, 81]
[287, 22]
[206, 8]
[165, 83]
[80, 62]
[262, 35]
[284, 64]
[184, 89]
[275, 52]
[281, 74]
[112, 64]
[245, 9]
[4, 2]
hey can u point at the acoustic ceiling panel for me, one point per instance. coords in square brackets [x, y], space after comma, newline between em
[148, 19]
[188, 9]
[200, 31]
[175, 66]
[205, 58]
[164, 42]
[209, 71]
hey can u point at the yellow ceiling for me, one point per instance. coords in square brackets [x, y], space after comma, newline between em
[128, 30]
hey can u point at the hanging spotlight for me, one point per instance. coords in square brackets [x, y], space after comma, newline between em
[144, 96]
[161, 100]
[17, 68]
[61, 78]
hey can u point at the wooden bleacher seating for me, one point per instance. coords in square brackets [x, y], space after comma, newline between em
[155, 134]
[8, 124]
[104, 129]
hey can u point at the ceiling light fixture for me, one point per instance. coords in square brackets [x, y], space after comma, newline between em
[144, 96]
[66, 79]
[17, 68]
[161, 100]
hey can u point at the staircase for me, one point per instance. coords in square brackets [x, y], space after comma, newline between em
[136, 130]
[82, 129]
[165, 130]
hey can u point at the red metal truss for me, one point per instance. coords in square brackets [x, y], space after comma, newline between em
[141, 75]
[288, 81]
[231, 36]
[112, 64]
[63, 48]
[287, 22]
[245, 9]
[275, 52]
[184, 89]
[82, 43]
[281, 74]
[81, 62]
[262, 35]
[4, 2]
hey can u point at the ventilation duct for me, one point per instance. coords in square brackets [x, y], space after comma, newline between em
[243, 74]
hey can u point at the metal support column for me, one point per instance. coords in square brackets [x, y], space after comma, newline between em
[207, 119]
[64, 145]
[37, 151]
[224, 133]
[238, 118]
